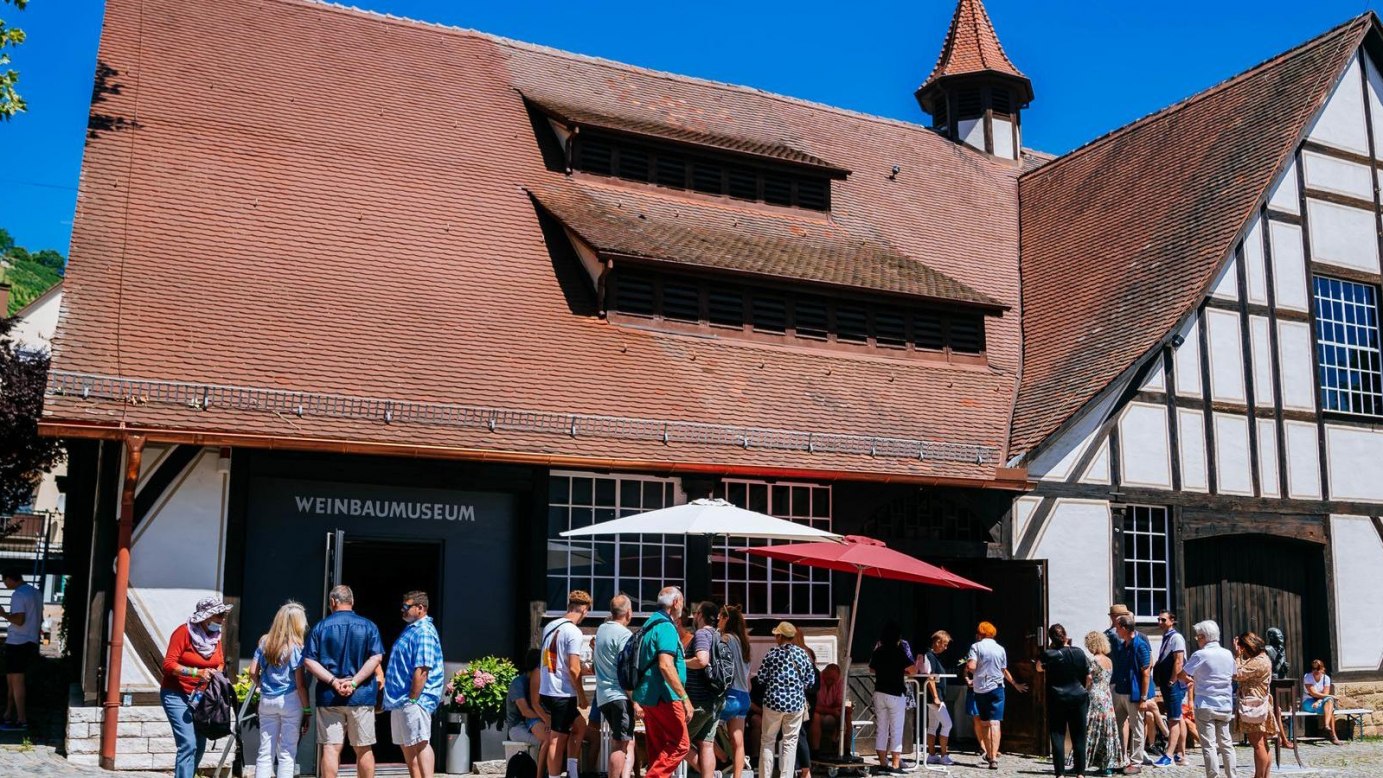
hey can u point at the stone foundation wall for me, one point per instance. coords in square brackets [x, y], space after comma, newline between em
[145, 739]
[1365, 694]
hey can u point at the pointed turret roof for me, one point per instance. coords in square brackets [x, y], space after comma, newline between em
[972, 47]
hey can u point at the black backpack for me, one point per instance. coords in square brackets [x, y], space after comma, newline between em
[213, 708]
[720, 671]
[627, 663]
[521, 765]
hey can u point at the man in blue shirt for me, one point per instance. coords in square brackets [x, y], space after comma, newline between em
[413, 685]
[342, 652]
[1133, 692]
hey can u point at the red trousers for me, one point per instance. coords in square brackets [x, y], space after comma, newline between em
[665, 725]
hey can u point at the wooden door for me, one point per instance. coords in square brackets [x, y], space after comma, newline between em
[1253, 582]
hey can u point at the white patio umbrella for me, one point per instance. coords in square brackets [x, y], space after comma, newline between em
[706, 517]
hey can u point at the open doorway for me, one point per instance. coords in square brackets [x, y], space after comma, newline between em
[381, 572]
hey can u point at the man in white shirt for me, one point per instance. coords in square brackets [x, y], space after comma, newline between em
[21, 645]
[1210, 672]
[561, 694]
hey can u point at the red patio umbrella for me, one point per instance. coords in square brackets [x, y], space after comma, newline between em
[864, 557]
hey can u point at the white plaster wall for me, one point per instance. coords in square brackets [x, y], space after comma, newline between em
[1264, 394]
[972, 132]
[1375, 101]
[1303, 460]
[1332, 174]
[1003, 138]
[1267, 458]
[1289, 266]
[1098, 471]
[1232, 454]
[1341, 122]
[35, 330]
[1143, 447]
[1157, 378]
[1191, 447]
[1286, 195]
[1343, 236]
[177, 554]
[1186, 362]
[1226, 355]
[148, 463]
[1058, 461]
[1226, 286]
[1357, 552]
[1354, 460]
[1076, 543]
[1297, 365]
[1255, 270]
[1023, 509]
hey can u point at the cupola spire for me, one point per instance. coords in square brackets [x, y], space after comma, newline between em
[975, 93]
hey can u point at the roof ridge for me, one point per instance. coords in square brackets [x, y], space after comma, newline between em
[344, 7]
[1201, 95]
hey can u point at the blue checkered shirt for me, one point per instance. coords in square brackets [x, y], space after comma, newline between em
[418, 646]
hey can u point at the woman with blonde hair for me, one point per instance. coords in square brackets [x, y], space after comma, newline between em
[1104, 748]
[283, 710]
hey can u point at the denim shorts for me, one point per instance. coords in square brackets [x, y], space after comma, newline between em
[736, 705]
[990, 705]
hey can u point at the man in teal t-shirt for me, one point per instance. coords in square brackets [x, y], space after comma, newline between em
[666, 706]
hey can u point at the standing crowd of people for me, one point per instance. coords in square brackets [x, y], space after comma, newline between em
[344, 653]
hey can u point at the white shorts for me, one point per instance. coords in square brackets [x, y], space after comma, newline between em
[410, 725]
[337, 724]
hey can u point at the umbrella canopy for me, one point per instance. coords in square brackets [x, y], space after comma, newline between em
[706, 517]
[866, 556]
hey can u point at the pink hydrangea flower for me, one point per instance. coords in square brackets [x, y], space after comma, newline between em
[460, 699]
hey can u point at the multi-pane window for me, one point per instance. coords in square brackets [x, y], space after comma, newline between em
[1347, 345]
[766, 587]
[719, 306]
[638, 565]
[1146, 561]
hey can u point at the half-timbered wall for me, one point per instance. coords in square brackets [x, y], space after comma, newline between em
[1229, 427]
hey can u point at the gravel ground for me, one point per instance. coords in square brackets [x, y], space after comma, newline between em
[1361, 759]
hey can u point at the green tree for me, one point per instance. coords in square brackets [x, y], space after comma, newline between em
[50, 259]
[11, 102]
[6, 242]
[24, 455]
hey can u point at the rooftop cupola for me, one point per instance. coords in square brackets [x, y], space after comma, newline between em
[975, 93]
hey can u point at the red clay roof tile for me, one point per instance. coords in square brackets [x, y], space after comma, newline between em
[972, 46]
[1122, 237]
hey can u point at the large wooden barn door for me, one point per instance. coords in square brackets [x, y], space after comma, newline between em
[1252, 582]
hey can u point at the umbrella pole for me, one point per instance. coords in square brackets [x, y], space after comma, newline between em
[845, 674]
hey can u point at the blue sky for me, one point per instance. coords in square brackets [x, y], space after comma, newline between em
[1094, 65]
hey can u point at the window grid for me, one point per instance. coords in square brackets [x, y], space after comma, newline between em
[766, 587]
[1146, 565]
[638, 565]
[1347, 342]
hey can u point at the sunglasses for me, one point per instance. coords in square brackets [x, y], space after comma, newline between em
[1160, 620]
[405, 606]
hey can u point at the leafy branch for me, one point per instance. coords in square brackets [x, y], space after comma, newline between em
[11, 102]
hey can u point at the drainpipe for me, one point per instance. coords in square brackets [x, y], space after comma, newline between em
[134, 450]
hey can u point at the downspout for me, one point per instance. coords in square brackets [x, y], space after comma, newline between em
[134, 450]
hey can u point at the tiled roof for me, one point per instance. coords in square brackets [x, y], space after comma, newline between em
[282, 232]
[1122, 237]
[558, 109]
[783, 243]
[971, 46]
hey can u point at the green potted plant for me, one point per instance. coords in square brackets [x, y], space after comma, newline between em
[474, 698]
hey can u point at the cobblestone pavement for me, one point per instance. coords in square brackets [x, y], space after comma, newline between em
[1361, 759]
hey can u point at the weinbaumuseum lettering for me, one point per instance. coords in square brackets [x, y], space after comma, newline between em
[384, 509]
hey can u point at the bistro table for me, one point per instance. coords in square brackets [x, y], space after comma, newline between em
[917, 682]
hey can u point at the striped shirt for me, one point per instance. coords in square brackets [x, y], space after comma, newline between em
[418, 646]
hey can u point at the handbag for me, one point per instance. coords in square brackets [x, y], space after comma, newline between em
[1255, 710]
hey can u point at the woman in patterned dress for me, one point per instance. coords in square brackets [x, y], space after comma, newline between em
[1253, 671]
[1104, 749]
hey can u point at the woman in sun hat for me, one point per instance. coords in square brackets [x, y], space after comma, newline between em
[194, 652]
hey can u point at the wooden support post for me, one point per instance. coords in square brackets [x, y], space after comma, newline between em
[134, 449]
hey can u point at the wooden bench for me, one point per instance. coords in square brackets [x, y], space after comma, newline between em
[1354, 715]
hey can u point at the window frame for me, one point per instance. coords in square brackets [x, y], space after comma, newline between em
[816, 578]
[617, 542]
[1358, 398]
[1127, 532]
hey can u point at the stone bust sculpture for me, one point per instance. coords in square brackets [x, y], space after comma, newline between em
[1277, 652]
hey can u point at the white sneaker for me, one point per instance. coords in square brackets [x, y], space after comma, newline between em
[934, 759]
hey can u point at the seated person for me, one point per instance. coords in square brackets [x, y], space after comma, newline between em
[1319, 697]
[826, 720]
[522, 723]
